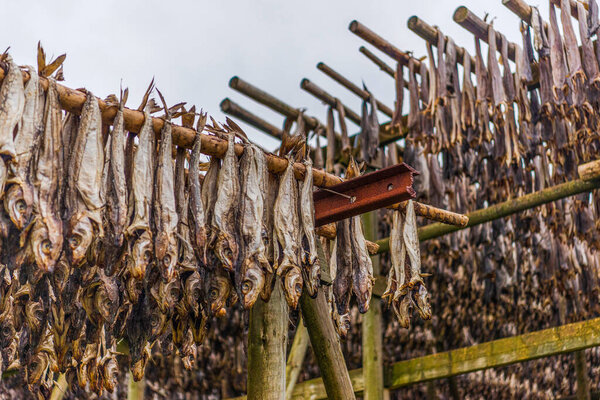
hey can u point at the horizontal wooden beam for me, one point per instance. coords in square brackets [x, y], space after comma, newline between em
[497, 353]
[235, 110]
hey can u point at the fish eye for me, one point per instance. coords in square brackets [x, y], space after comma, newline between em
[74, 241]
[167, 259]
[21, 206]
[298, 288]
[246, 287]
[214, 293]
[46, 246]
[147, 256]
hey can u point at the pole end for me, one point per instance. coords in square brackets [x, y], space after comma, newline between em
[460, 14]
[320, 65]
[233, 82]
[412, 22]
[353, 26]
[225, 104]
[304, 82]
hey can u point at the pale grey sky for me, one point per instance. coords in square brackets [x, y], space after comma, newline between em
[193, 48]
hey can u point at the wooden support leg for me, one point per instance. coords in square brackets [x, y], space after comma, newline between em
[135, 390]
[267, 345]
[60, 388]
[326, 346]
[454, 393]
[296, 359]
[583, 384]
[372, 354]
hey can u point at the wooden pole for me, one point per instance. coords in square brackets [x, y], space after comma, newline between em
[352, 87]
[60, 388]
[371, 37]
[267, 345]
[235, 110]
[372, 351]
[479, 28]
[328, 99]
[522, 10]
[583, 381]
[135, 390]
[380, 63]
[296, 359]
[505, 209]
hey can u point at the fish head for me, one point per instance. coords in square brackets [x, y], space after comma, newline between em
[141, 255]
[37, 367]
[342, 324]
[312, 279]
[34, 315]
[170, 293]
[178, 329]
[252, 283]
[226, 250]
[138, 364]
[110, 373]
[60, 276]
[192, 291]
[198, 327]
[158, 323]
[420, 299]
[79, 237]
[165, 248]
[292, 286]
[18, 203]
[46, 242]
[106, 302]
[402, 311]
[218, 292]
[134, 288]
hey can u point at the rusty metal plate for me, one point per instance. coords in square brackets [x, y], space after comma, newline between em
[365, 193]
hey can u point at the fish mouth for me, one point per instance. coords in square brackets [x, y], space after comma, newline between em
[79, 239]
[253, 284]
[293, 285]
[17, 205]
[226, 251]
[141, 256]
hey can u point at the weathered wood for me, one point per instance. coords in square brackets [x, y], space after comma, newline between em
[328, 99]
[372, 351]
[371, 37]
[135, 390]
[60, 388]
[589, 171]
[505, 209]
[296, 358]
[326, 347]
[436, 214]
[573, 6]
[497, 353]
[479, 28]
[267, 345]
[336, 76]
[235, 110]
[329, 231]
[583, 381]
[380, 63]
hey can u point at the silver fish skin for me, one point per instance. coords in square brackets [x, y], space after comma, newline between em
[287, 229]
[398, 256]
[411, 241]
[209, 197]
[12, 103]
[197, 217]
[84, 200]
[226, 204]
[309, 259]
[165, 209]
[251, 275]
[44, 235]
[342, 284]
[362, 266]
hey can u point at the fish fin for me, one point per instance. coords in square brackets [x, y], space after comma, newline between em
[53, 66]
[146, 95]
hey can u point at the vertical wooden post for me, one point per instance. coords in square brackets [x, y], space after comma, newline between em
[60, 388]
[583, 384]
[296, 359]
[267, 345]
[372, 354]
[135, 390]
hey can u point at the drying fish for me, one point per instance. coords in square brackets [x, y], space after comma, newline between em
[311, 268]
[342, 283]
[197, 216]
[223, 232]
[286, 233]
[83, 200]
[44, 234]
[250, 276]
[164, 207]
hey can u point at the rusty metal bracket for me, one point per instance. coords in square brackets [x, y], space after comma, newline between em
[365, 193]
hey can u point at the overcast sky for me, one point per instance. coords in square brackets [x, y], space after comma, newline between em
[193, 48]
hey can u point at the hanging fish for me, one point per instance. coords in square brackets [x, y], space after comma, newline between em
[197, 218]
[311, 268]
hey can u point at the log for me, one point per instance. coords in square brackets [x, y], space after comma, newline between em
[352, 87]
[135, 390]
[430, 35]
[372, 351]
[435, 214]
[498, 353]
[380, 63]
[573, 4]
[583, 381]
[505, 209]
[267, 345]
[235, 110]
[371, 37]
[328, 231]
[296, 358]
[522, 10]
[589, 171]
[479, 28]
[328, 99]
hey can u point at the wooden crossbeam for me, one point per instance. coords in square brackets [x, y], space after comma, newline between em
[497, 353]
